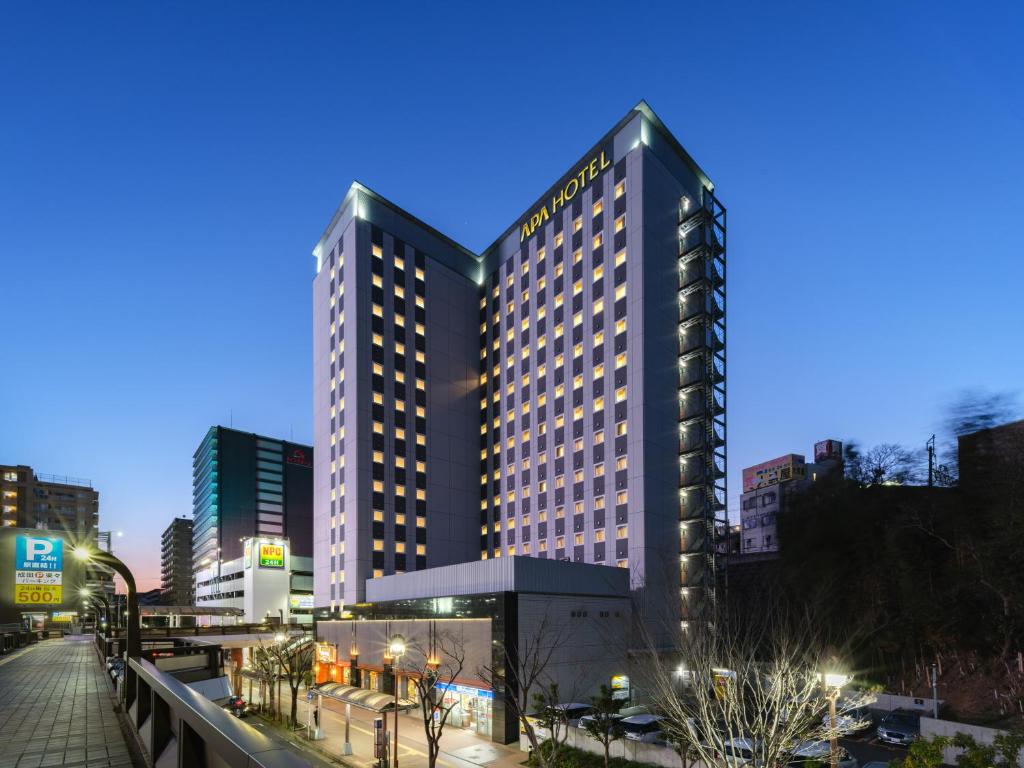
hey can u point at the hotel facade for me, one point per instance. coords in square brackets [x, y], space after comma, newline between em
[560, 395]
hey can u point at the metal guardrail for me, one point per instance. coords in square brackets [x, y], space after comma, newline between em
[177, 726]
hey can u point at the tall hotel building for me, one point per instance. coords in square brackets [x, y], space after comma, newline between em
[561, 395]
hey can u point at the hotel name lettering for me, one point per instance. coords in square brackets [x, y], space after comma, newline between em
[565, 193]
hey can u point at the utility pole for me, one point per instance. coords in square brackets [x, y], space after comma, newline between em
[930, 446]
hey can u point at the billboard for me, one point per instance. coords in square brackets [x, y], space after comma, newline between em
[780, 470]
[39, 570]
[37, 573]
[271, 556]
[828, 449]
[300, 602]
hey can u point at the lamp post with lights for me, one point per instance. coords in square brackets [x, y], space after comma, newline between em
[133, 643]
[396, 649]
[834, 682]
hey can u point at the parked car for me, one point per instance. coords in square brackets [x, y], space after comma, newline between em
[820, 752]
[900, 726]
[573, 711]
[849, 720]
[642, 728]
[588, 720]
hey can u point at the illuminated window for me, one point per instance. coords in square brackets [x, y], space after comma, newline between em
[599, 470]
[560, 481]
[599, 403]
[378, 339]
[599, 306]
[483, 302]
[577, 412]
[620, 325]
[419, 274]
[540, 255]
[376, 251]
[377, 573]
[599, 502]
[559, 451]
[378, 281]
[620, 394]
[378, 428]
[399, 546]
[620, 463]
[577, 444]
[577, 539]
[577, 287]
[598, 239]
[400, 376]
[378, 545]
[526, 268]
[620, 223]
[421, 522]
[399, 262]
[620, 258]
[620, 359]
[577, 256]
[620, 429]
[599, 338]
[559, 300]
[560, 542]
[508, 281]
[559, 269]
[577, 381]
[620, 292]
[599, 437]
[378, 398]
[620, 189]
[378, 310]
[621, 497]
[421, 549]
[378, 457]
[598, 207]
[558, 239]
[378, 514]
[559, 513]
[577, 224]
[399, 518]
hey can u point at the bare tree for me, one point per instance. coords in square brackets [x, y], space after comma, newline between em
[751, 690]
[291, 660]
[603, 723]
[524, 671]
[433, 671]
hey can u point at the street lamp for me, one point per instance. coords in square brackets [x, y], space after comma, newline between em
[396, 649]
[834, 682]
[133, 645]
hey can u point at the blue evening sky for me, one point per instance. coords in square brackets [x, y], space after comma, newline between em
[166, 168]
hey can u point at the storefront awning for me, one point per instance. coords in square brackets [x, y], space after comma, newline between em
[362, 698]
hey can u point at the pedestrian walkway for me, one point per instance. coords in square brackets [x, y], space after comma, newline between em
[56, 708]
[459, 748]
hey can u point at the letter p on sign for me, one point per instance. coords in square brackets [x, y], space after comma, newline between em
[37, 547]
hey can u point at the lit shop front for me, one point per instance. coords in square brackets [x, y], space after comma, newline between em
[471, 708]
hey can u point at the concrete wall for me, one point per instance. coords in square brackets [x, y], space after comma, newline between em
[887, 702]
[932, 727]
[591, 637]
[630, 750]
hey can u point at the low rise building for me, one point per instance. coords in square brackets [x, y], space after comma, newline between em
[267, 582]
[768, 487]
[499, 611]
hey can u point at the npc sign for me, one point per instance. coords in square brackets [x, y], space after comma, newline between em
[39, 570]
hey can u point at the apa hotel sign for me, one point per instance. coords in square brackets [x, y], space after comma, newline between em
[564, 191]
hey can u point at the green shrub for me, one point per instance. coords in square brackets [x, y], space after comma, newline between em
[570, 757]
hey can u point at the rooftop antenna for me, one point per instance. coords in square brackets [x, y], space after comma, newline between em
[930, 447]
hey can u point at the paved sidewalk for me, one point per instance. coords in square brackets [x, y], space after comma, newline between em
[56, 708]
[459, 748]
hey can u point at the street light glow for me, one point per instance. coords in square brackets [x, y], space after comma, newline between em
[836, 680]
[83, 553]
[397, 646]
